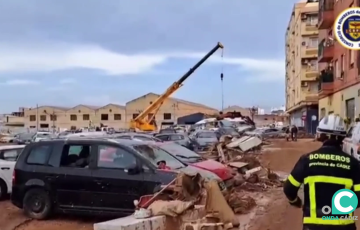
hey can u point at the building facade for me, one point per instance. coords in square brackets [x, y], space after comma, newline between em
[302, 65]
[111, 115]
[339, 88]
[169, 112]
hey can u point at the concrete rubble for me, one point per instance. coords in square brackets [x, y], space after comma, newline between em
[190, 202]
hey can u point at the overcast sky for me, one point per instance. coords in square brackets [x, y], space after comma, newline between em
[111, 51]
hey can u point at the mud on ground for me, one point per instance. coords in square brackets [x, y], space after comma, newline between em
[271, 213]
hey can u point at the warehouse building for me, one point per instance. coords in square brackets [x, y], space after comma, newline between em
[111, 115]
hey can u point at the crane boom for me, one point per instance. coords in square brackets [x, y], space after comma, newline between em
[142, 121]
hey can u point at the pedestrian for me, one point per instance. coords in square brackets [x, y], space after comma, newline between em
[323, 173]
[287, 133]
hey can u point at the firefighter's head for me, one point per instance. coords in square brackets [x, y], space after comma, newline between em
[331, 127]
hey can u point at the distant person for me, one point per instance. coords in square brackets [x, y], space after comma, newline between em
[294, 131]
[287, 133]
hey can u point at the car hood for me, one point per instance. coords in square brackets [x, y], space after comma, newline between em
[205, 141]
[7, 138]
[207, 175]
[215, 167]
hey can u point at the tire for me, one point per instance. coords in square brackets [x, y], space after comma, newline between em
[11, 141]
[3, 189]
[37, 204]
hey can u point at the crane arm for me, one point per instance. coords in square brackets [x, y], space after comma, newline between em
[141, 118]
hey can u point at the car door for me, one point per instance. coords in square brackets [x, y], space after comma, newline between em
[71, 175]
[7, 164]
[116, 188]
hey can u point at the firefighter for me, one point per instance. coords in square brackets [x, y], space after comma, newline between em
[323, 172]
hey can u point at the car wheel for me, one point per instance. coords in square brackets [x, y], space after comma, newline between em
[37, 204]
[11, 141]
[3, 189]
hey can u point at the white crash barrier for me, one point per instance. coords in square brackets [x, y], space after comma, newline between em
[131, 223]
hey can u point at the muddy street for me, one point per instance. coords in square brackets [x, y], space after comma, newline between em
[280, 156]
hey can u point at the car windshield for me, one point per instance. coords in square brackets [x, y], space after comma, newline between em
[42, 135]
[26, 136]
[155, 154]
[167, 131]
[179, 151]
[206, 135]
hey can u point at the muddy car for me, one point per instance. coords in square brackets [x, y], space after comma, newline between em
[91, 176]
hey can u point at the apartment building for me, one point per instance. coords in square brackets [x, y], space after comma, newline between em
[339, 88]
[301, 79]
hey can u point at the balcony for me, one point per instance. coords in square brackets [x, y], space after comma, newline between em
[11, 120]
[309, 29]
[312, 98]
[310, 73]
[326, 14]
[326, 82]
[326, 50]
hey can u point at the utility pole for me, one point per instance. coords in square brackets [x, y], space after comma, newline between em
[175, 106]
[53, 120]
[37, 117]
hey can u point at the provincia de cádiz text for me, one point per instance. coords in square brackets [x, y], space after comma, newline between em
[343, 204]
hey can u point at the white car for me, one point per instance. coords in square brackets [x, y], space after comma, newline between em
[8, 139]
[8, 157]
[40, 136]
[351, 143]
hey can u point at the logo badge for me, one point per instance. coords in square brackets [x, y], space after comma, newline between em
[347, 28]
[344, 201]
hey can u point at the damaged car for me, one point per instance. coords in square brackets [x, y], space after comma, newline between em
[92, 176]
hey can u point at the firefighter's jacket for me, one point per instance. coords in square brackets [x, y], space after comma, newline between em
[323, 172]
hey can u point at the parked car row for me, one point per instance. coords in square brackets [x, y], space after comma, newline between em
[88, 174]
[25, 138]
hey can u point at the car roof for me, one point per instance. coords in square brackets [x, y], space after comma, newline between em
[4, 147]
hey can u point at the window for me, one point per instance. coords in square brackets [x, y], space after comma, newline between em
[206, 135]
[313, 42]
[117, 117]
[74, 155]
[312, 20]
[53, 117]
[337, 69]
[351, 58]
[342, 63]
[32, 118]
[42, 117]
[176, 137]
[167, 116]
[104, 117]
[163, 137]
[135, 115]
[143, 138]
[39, 155]
[73, 117]
[86, 117]
[115, 157]
[124, 137]
[11, 154]
[155, 154]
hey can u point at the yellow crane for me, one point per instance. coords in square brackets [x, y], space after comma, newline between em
[144, 122]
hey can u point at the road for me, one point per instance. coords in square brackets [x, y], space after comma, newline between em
[277, 216]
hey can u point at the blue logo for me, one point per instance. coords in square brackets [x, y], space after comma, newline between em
[347, 28]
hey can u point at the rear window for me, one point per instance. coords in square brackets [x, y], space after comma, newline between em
[39, 155]
[178, 150]
[155, 154]
[206, 135]
[11, 154]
